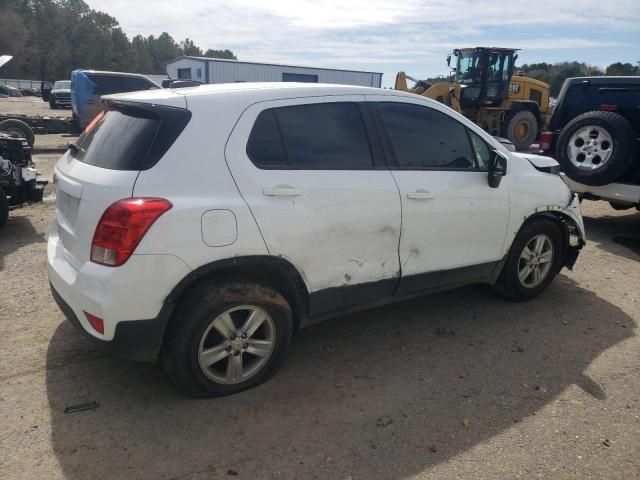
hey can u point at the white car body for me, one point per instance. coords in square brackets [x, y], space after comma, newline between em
[337, 228]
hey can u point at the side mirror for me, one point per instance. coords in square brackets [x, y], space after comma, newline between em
[449, 60]
[497, 168]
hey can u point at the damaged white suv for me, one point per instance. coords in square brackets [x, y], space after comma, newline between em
[206, 225]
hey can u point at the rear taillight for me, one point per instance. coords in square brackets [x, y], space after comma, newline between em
[122, 226]
[545, 140]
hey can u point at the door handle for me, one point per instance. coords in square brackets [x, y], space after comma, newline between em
[282, 191]
[420, 195]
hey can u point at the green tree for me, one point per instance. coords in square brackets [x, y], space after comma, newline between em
[142, 61]
[162, 49]
[188, 47]
[50, 38]
[225, 54]
[619, 68]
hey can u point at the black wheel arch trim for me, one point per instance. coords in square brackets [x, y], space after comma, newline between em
[287, 281]
[567, 227]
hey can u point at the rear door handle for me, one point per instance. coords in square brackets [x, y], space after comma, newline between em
[420, 195]
[282, 191]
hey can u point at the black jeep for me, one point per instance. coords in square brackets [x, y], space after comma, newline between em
[594, 132]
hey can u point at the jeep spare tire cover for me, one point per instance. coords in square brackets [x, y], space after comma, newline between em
[596, 148]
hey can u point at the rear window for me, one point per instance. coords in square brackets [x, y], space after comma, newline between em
[130, 137]
[321, 136]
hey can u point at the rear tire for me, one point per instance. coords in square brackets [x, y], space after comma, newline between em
[593, 164]
[4, 208]
[521, 128]
[19, 129]
[200, 333]
[514, 282]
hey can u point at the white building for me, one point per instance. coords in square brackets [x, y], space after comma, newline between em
[214, 70]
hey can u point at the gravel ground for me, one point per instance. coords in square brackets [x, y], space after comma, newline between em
[30, 106]
[455, 385]
[35, 106]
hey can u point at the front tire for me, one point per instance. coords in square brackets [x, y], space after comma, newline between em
[225, 338]
[535, 258]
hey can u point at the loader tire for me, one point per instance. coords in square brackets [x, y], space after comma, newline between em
[521, 128]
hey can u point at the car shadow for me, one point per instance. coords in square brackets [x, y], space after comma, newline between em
[384, 393]
[618, 234]
[18, 232]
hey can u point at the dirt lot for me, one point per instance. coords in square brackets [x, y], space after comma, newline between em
[33, 106]
[456, 385]
[30, 106]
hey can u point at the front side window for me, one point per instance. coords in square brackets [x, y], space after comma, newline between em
[468, 69]
[325, 136]
[424, 138]
[481, 149]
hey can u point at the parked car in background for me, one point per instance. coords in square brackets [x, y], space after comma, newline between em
[206, 225]
[60, 95]
[10, 91]
[594, 133]
[30, 92]
[87, 86]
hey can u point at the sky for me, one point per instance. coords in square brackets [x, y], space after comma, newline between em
[389, 36]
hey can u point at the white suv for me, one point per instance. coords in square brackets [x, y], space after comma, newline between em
[206, 225]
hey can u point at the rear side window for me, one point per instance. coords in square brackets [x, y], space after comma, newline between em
[108, 84]
[130, 138]
[265, 146]
[328, 136]
[426, 138]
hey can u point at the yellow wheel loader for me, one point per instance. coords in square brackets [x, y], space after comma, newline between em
[484, 89]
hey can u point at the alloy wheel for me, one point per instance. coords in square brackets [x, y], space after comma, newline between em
[237, 344]
[590, 147]
[535, 261]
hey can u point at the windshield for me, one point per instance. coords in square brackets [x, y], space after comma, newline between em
[60, 84]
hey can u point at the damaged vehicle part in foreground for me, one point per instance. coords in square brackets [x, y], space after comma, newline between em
[19, 182]
[311, 201]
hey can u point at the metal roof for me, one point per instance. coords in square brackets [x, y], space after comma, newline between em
[208, 59]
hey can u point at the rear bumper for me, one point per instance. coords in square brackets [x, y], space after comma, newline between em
[620, 193]
[130, 299]
[138, 340]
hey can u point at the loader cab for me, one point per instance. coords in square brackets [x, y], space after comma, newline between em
[482, 75]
